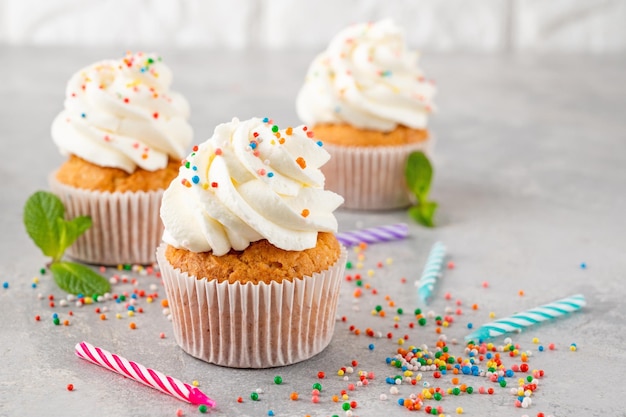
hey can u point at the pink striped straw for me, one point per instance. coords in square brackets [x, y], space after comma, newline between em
[150, 377]
[374, 234]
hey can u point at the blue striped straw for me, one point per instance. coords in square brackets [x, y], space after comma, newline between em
[431, 272]
[519, 321]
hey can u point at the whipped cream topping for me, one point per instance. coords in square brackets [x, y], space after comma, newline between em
[366, 78]
[122, 114]
[250, 181]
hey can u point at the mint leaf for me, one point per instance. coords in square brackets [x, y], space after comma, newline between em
[78, 279]
[424, 213]
[72, 229]
[418, 173]
[41, 212]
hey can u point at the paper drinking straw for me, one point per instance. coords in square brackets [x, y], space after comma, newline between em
[528, 318]
[374, 234]
[431, 272]
[140, 373]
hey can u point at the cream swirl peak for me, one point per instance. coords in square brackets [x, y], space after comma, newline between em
[122, 114]
[250, 181]
[368, 79]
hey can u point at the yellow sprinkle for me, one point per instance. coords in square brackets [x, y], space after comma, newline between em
[149, 300]
[345, 397]
[370, 272]
[36, 280]
[340, 372]
[195, 383]
[572, 348]
[88, 300]
[459, 410]
[400, 342]
[131, 313]
[118, 316]
[388, 261]
[492, 315]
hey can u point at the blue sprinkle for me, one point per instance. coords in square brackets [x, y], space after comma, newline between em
[134, 296]
[270, 174]
[583, 265]
[265, 120]
[470, 325]
[509, 373]
[195, 168]
[521, 398]
[55, 316]
[33, 285]
[270, 413]
[143, 69]
[320, 143]
[401, 401]
[466, 370]
[488, 355]
[195, 179]
[83, 115]
[573, 344]
[253, 145]
[371, 346]
[540, 348]
[388, 360]
[5, 284]
[131, 308]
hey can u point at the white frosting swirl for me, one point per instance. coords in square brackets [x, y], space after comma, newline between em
[122, 114]
[368, 79]
[250, 181]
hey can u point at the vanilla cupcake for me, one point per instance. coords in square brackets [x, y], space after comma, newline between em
[367, 99]
[250, 263]
[124, 132]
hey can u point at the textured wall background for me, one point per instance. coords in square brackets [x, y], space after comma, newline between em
[597, 26]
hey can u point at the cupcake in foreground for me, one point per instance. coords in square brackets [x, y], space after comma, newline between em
[124, 132]
[250, 262]
[367, 99]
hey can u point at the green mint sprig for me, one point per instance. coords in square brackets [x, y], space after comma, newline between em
[44, 218]
[418, 174]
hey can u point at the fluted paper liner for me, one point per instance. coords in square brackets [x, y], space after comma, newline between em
[370, 177]
[126, 227]
[252, 325]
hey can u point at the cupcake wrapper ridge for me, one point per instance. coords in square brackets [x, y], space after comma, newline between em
[372, 177]
[245, 325]
[126, 227]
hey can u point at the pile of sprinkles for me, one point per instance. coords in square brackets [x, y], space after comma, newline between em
[431, 379]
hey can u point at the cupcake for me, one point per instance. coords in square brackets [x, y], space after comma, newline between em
[124, 132]
[249, 259]
[367, 99]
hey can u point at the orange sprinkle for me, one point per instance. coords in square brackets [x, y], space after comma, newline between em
[455, 380]
[293, 396]
[305, 213]
[289, 131]
[103, 316]
[66, 322]
[301, 162]
[144, 156]
[521, 293]
[335, 398]
[281, 141]
[132, 325]
[165, 303]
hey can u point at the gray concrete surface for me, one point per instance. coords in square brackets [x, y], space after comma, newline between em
[530, 178]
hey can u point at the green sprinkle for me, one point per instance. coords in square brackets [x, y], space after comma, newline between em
[379, 308]
[503, 383]
[359, 283]
[56, 321]
[348, 265]
[203, 408]
[254, 396]
[456, 390]
[422, 321]
[278, 380]
[274, 128]
[417, 311]
[345, 406]
[400, 311]
[128, 267]
[469, 390]
[317, 386]
[42, 271]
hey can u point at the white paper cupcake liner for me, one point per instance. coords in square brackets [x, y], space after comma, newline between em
[252, 325]
[126, 227]
[370, 177]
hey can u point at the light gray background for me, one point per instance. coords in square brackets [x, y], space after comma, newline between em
[530, 179]
[433, 25]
